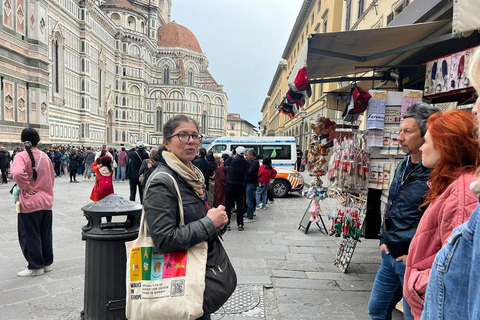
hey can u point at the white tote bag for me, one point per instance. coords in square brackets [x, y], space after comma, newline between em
[164, 285]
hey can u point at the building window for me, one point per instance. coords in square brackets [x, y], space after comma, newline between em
[57, 67]
[204, 123]
[190, 78]
[166, 76]
[348, 15]
[325, 21]
[361, 7]
[158, 124]
[319, 7]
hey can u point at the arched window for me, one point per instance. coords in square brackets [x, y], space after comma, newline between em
[159, 122]
[190, 78]
[124, 116]
[57, 68]
[131, 23]
[123, 136]
[116, 18]
[166, 76]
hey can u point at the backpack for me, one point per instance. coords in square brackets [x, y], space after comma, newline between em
[105, 185]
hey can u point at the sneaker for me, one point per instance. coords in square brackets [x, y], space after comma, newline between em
[89, 179]
[264, 208]
[240, 227]
[30, 272]
[228, 227]
[48, 268]
[248, 220]
[258, 208]
[75, 181]
[84, 179]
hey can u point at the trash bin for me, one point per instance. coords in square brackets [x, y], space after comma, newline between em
[111, 222]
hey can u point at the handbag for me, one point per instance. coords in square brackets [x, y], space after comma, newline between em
[164, 285]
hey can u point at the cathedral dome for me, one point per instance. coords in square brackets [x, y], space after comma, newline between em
[175, 35]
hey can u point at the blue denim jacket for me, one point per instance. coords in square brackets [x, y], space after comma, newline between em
[453, 290]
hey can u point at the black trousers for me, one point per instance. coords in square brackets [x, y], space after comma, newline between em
[35, 237]
[235, 195]
[134, 183]
[57, 169]
[4, 174]
[73, 175]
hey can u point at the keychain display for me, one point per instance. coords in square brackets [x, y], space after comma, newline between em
[344, 255]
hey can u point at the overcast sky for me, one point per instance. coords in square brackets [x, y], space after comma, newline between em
[244, 41]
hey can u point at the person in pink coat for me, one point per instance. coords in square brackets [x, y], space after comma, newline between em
[33, 173]
[451, 149]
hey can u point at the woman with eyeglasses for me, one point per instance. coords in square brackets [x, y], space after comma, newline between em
[181, 141]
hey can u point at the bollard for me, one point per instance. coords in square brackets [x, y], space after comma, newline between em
[105, 255]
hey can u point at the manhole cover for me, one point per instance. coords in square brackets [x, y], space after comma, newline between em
[246, 300]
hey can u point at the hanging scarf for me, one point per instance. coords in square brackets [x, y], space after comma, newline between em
[192, 175]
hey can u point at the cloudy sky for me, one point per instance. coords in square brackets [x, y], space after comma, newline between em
[244, 41]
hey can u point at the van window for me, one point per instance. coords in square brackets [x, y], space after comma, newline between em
[255, 147]
[219, 148]
[278, 152]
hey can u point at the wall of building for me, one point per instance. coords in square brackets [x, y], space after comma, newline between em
[85, 76]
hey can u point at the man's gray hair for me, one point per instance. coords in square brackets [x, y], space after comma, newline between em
[421, 112]
[252, 152]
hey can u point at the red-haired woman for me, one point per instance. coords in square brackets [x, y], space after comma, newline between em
[451, 149]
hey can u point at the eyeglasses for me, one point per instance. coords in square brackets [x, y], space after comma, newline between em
[184, 137]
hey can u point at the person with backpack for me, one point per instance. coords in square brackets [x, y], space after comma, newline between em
[104, 184]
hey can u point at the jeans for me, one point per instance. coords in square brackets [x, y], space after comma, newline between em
[87, 174]
[250, 190]
[262, 193]
[121, 173]
[387, 290]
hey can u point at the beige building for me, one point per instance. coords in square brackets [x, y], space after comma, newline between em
[319, 16]
[93, 72]
[238, 127]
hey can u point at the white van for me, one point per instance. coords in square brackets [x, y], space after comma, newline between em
[282, 151]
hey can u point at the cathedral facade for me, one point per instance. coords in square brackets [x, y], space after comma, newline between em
[91, 72]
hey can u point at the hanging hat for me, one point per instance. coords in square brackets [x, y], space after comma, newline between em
[360, 99]
[302, 83]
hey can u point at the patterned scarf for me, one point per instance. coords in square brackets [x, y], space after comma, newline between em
[192, 175]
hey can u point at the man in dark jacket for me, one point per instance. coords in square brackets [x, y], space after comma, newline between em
[251, 183]
[203, 164]
[57, 157]
[135, 159]
[235, 186]
[88, 161]
[4, 163]
[406, 194]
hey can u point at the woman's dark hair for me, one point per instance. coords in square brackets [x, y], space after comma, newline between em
[106, 161]
[267, 162]
[225, 157]
[158, 156]
[30, 138]
[173, 123]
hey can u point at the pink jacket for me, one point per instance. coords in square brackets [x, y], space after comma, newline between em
[21, 170]
[122, 159]
[452, 208]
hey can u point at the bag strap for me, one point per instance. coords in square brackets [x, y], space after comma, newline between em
[143, 231]
[141, 160]
[38, 165]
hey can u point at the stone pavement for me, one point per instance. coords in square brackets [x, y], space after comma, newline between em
[283, 273]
